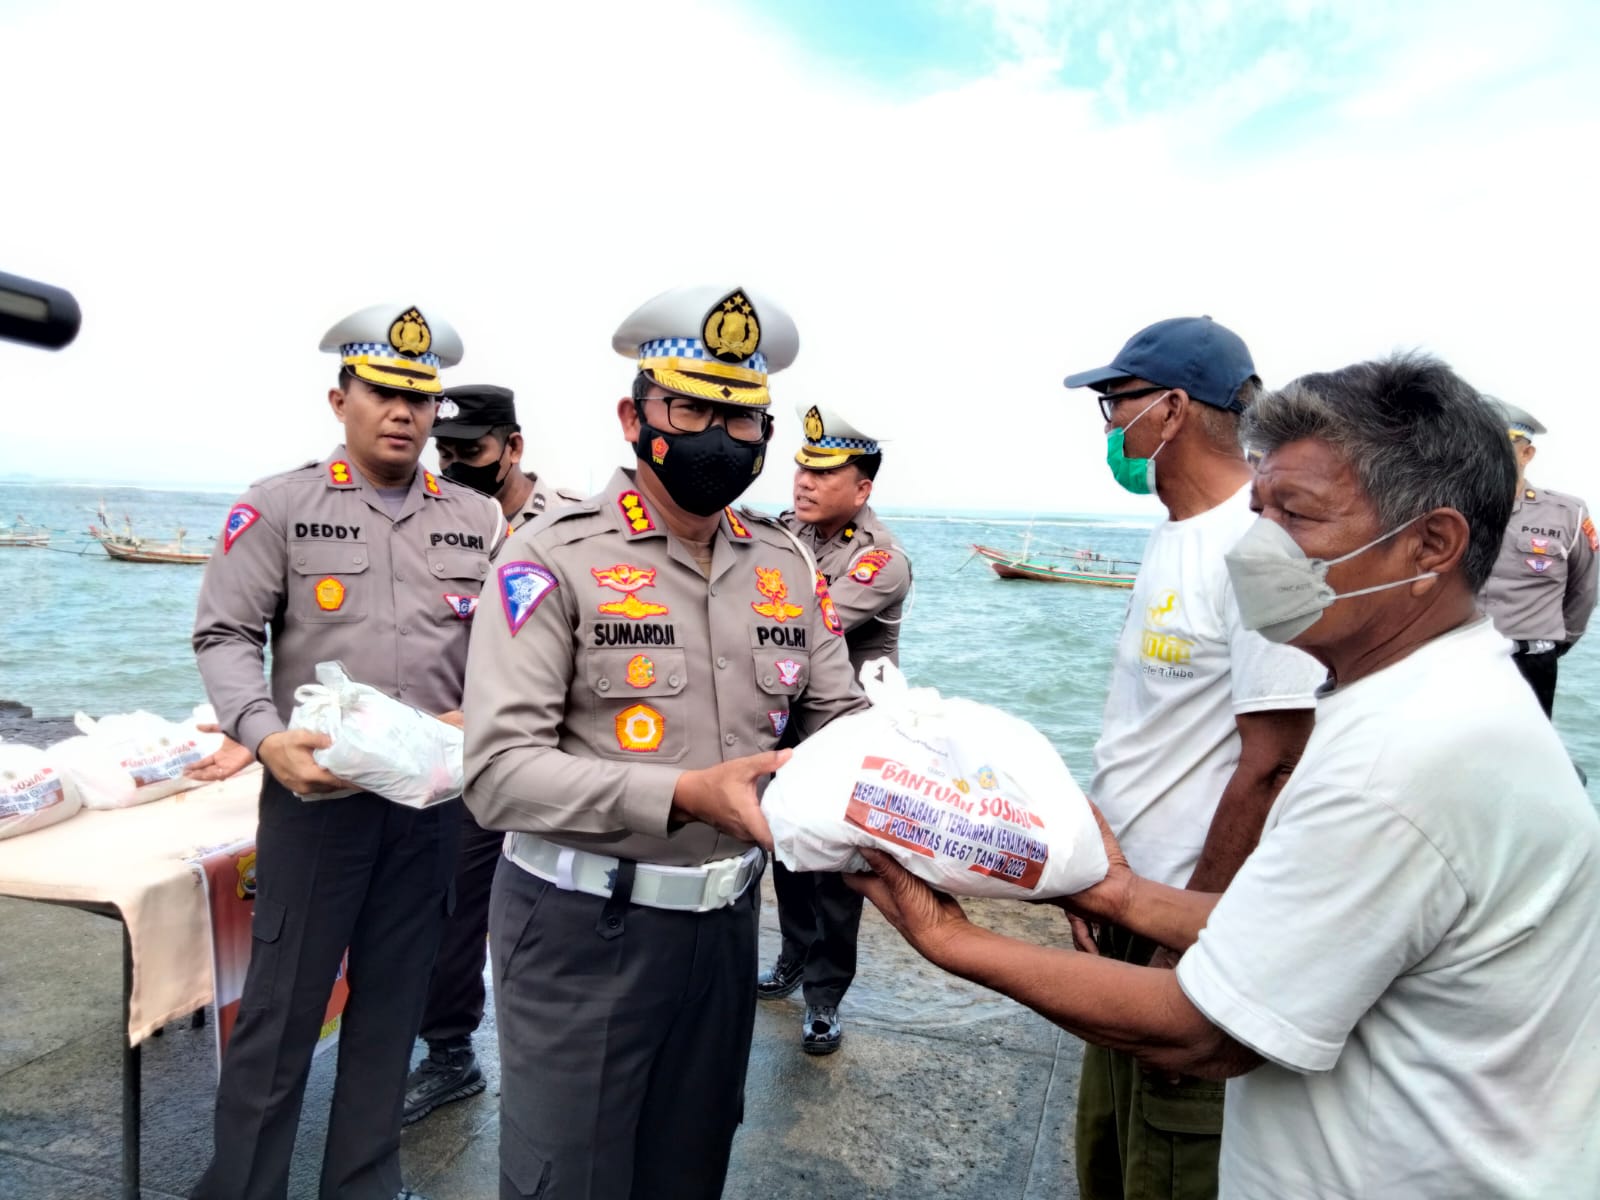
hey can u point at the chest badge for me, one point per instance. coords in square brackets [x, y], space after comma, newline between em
[462, 606]
[1540, 545]
[788, 672]
[240, 518]
[641, 671]
[769, 582]
[1539, 565]
[628, 579]
[640, 729]
[779, 721]
[330, 594]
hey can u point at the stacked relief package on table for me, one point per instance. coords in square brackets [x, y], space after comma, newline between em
[132, 758]
[379, 744]
[968, 798]
[34, 791]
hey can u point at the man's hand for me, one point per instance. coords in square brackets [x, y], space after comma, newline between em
[929, 920]
[454, 717]
[724, 796]
[288, 756]
[228, 761]
[1108, 899]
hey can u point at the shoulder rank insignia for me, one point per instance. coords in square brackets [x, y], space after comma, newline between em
[430, 484]
[869, 564]
[462, 606]
[736, 526]
[637, 515]
[732, 331]
[522, 586]
[830, 615]
[769, 582]
[339, 474]
[240, 518]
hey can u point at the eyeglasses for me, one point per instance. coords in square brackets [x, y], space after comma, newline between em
[685, 414]
[1110, 400]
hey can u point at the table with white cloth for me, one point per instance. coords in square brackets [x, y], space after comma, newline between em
[141, 866]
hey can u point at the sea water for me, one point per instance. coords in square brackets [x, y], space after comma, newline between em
[80, 632]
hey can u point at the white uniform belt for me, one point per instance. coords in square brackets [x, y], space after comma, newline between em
[684, 889]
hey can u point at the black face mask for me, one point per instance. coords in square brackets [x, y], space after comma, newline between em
[703, 472]
[486, 478]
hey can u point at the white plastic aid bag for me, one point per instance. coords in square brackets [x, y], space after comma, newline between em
[34, 792]
[379, 744]
[968, 798]
[132, 758]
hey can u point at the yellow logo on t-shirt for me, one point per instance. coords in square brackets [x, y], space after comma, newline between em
[1157, 645]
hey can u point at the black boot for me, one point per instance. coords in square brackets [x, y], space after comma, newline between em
[450, 1072]
[777, 983]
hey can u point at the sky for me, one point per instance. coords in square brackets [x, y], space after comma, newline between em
[959, 201]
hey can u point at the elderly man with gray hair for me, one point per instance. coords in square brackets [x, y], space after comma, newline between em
[1402, 983]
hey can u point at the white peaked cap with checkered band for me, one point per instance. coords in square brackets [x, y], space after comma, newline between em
[398, 346]
[711, 341]
[830, 440]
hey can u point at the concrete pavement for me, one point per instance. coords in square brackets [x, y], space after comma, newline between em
[941, 1089]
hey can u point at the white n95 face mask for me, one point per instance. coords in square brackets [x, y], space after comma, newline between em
[1281, 592]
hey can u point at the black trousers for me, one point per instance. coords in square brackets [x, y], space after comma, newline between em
[622, 1049]
[820, 918]
[455, 993]
[356, 872]
[1540, 672]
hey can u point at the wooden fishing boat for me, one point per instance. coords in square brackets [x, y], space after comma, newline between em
[1070, 566]
[129, 547]
[24, 535]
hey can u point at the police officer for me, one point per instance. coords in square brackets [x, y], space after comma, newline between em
[1542, 589]
[868, 575]
[366, 559]
[648, 649]
[480, 444]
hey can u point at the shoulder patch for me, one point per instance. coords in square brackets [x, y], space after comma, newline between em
[830, 615]
[523, 586]
[240, 518]
[867, 565]
[1589, 533]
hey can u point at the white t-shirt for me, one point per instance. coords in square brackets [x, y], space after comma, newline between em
[1415, 948]
[1184, 667]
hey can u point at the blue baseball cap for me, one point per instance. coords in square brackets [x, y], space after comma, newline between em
[1207, 360]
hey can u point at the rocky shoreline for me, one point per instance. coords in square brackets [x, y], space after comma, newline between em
[18, 724]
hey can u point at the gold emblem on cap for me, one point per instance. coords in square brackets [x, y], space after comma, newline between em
[731, 331]
[814, 424]
[410, 333]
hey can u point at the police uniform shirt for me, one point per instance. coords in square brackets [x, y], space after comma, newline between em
[314, 555]
[542, 499]
[1542, 587]
[605, 663]
[868, 574]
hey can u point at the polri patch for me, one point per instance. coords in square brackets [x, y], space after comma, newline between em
[869, 564]
[779, 720]
[830, 615]
[1589, 532]
[523, 585]
[462, 606]
[240, 518]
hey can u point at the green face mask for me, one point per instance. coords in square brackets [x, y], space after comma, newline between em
[1137, 475]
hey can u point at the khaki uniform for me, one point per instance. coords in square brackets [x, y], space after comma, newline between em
[314, 554]
[609, 665]
[543, 497]
[868, 575]
[314, 558]
[1542, 588]
[628, 667]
